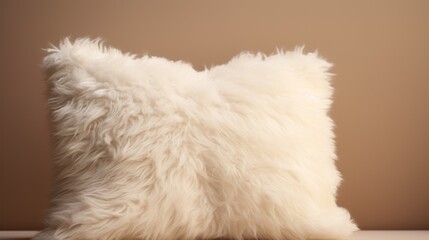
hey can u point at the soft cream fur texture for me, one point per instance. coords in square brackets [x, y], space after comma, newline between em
[148, 148]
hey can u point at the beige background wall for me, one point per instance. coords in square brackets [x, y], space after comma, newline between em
[381, 55]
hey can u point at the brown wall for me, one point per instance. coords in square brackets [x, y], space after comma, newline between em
[381, 55]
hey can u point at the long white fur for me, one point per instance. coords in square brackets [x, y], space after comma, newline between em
[148, 148]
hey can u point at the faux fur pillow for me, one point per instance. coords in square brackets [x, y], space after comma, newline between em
[148, 148]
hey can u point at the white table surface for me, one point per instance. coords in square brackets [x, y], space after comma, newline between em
[390, 235]
[359, 235]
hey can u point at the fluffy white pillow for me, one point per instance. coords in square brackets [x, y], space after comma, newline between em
[148, 148]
